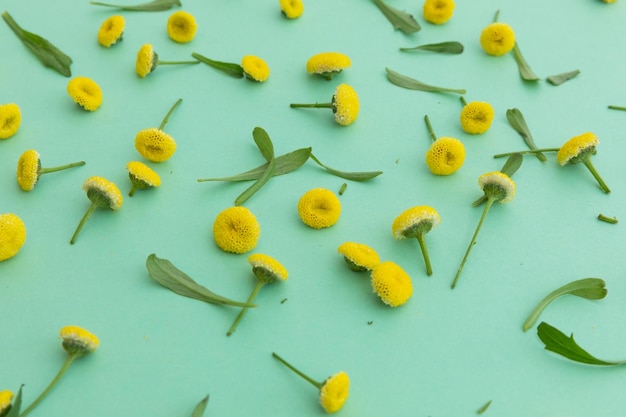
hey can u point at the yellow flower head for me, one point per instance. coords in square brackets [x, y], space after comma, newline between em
[111, 31]
[391, 284]
[182, 26]
[499, 185]
[266, 268]
[142, 176]
[147, 60]
[155, 145]
[345, 104]
[445, 156]
[476, 117]
[319, 208]
[78, 341]
[577, 149]
[85, 92]
[236, 230]
[497, 39]
[292, 9]
[414, 221]
[6, 397]
[359, 257]
[12, 235]
[28, 167]
[438, 11]
[334, 392]
[254, 68]
[10, 120]
[328, 64]
[104, 192]
[609, 1]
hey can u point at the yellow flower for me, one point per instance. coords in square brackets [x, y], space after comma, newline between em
[12, 235]
[358, 256]
[291, 9]
[254, 68]
[102, 193]
[319, 208]
[334, 392]
[141, 176]
[155, 145]
[498, 184]
[608, 1]
[445, 156]
[476, 117]
[497, 39]
[85, 92]
[10, 120]
[438, 11]
[111, 31]
[577, 148]
[391, 284]
[29, 169]
[328, 64]
[6, 397]
[344, 104]
[181, 27]
[78, 341]
[236, 230]
[415, 223]
[147, 60]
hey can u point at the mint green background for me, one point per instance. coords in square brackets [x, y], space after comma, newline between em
[446, 352]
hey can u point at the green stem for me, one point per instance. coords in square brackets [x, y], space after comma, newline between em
[463, 101]
[176, 62]
[60, 168]
[314, 105]
[597, 176]
[490, 201]
[56, 379]
[530, 151]
[604, 218]
[422, 242]
[617, 108]
[315, 383]
[87, 214]
[253, 294]
[167, 116]
[132, 190]
[430, 128]
[496, 16]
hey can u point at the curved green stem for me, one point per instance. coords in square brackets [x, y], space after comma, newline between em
[167, 116]
[60, 168]
[253, 294]
[617, 107]
[430, 128]
[529, 151]
[422, 241]
[463, 101]
[313, 382]
[87, 214]
[132, 190]
[177, 62]
[313, 105]
[597, 176]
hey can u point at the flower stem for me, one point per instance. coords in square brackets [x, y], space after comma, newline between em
[530, 151]
[422, 241]
[597, 176]
[314, 105]
[56, 379]
[253, 294]
[430, 128]
[132, 190]
[617, 108]
[318, 385]
[60, 168]
[490, 201]
[177, 62]
[604, 218]
[463, 100]
[167, 116]
[87, 214]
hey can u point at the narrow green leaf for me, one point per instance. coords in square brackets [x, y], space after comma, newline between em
[152, 6]
[14, 411]
[510, 167]
[284, 165]
[48, 54]
[484, 408]
[399, 19]
[557, 342]
[589, 288]
[412, 84]
[256, 186]
[263, 142]
[517, 121]
[524, 69]
[166, 274]
[199, 410]
[613, 107]
[451, 47]
[353, 176]
[559, 79]
[229, 68]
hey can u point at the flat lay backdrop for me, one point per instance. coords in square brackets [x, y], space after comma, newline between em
[446, 352]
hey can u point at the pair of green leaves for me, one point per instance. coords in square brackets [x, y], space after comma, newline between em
[152, 6]
[413, 84]
[400, 20]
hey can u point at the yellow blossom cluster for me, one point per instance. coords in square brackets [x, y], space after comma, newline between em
[85, 92]
[445, 156]
[111, 31]
[78, 341]
[497, 39]
[10, 120]
[334, 392]
[391, 283]
[12, 235]
[291, 9]
[438, 12]
[319, 208]
[476, 117]
[236, 230]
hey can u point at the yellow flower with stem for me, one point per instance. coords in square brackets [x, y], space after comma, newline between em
[153, 143]
[236, 230]
[10, 120]
[497, 39]
[391, 283]
[415, 223]
[358, 256]
[445, 155]
[6, 397]
[334, 390]
[252, 67]
[182, 26]
[85, 92]
[12, 235]
[29, 169]
[148, 60]
[344, 104]
[476, 117]
[111, 31]
[438, 11]
[498, 187]
[328, 64]
[103, 194]
[291, 9]
[141, 177]
[267, 270]
[77, 342]
[319, 208]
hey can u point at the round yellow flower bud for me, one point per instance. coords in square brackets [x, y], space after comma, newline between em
[414, 221]
[578, 147]
[438, 11]
[291, 9]
[12, 235]
[445, 156]
[391, 284]
[345, 105]
[497, 39]
[476, 117]
[111, 31]
[6, 397]
[236, 230]
[147, 60]
[498, 184]
[104, 191]
[254, 68]
[182, 27]
[10, 120]
[267, 269]
[328, 64]
[78, 341]
[319, 208]
[85, 92]
[141, 176]
[359, 257]
[28, 167]
[155, 145]
[334, 392]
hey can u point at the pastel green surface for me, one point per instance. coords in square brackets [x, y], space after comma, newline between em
[446, 352]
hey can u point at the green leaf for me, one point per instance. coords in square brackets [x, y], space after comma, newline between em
[517, 121]
[152, 6]
[199, 410]
[484, 408]
[14, 411]
[559, 79]
[353, 176]
[589, 288]
[510, 167]
[48, 54]
[166, 274]
[284, 165]
[234, 70]
[412, 84]
[557, 342]
[451, 47]
[399, 19]
[264, 143]
[524, 69]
